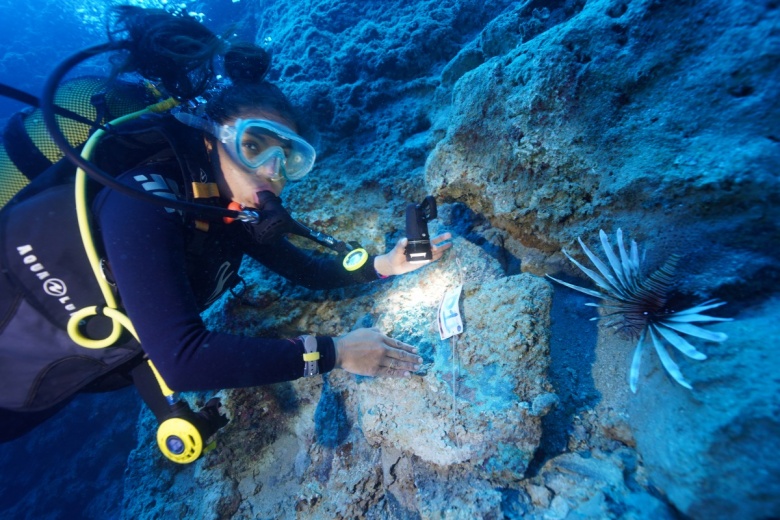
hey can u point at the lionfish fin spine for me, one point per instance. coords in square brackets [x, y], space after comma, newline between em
[678, 342]
[617, 267]
[671, 367]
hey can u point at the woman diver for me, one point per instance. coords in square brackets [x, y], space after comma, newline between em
[167, 266]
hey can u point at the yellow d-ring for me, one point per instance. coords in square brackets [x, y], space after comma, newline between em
[355, 259]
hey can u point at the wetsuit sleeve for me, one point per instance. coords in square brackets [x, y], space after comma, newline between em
[145, 247]
[310, 269]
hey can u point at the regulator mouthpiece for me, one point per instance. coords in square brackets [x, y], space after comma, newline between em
[418, 250]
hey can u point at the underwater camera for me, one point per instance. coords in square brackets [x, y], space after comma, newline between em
[418, 249]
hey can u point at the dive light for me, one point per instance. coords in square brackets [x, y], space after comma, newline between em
[418, 249]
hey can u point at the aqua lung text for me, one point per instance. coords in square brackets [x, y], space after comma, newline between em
[52, 286]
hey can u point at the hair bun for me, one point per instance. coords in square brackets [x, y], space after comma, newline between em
[247, 63]
[175, 50]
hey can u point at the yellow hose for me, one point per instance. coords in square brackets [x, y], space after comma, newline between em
[118, 318]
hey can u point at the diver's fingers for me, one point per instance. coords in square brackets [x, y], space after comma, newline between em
[441, 238]
[392, 373]
[400, 345]
[398, 360]
[438, 251]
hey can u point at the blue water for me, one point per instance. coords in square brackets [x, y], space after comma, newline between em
[38, 34]
[72, 466]
[35, 36]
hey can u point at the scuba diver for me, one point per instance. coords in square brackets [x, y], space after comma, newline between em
[169, 234]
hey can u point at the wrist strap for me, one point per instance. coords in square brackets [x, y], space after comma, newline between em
[311, 356]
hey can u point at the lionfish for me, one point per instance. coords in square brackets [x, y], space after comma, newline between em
[637, 305]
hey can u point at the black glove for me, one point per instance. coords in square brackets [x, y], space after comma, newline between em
[208, 420]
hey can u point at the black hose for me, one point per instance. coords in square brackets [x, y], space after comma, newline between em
[49, 110]
[28, 99]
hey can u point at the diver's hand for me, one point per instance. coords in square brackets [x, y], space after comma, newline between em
[368, 352]
[394, 261]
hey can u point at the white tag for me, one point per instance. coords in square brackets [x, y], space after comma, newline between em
[450, 322]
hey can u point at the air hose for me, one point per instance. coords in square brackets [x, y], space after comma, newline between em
[118, 318]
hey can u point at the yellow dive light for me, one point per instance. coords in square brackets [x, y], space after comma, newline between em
[181, 441]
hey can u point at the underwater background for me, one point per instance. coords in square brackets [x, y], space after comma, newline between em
[533, 123]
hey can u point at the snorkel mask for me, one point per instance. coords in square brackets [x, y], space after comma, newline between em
[259, 143]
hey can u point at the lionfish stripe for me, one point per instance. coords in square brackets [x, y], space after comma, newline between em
[628, 268]
[704, 306]
[678, 342]
[591, 274]
[663, 278]
[635, 256]
[589, 292]
[649, 299]
[658, 285]
[671, 367]
[693, 318]
[621, 306]
[693, 330]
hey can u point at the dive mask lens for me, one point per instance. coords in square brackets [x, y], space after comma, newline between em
[257, 141]
[271, 162]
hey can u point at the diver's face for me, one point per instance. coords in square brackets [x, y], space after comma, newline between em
[235, 181]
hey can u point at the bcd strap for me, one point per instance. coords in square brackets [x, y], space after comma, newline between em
[200, 191]
[204, 190]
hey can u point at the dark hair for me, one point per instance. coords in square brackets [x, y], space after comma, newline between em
[246, 62]
[179, 52]
[175, 50]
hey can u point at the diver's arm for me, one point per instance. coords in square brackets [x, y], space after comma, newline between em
[318, 271]
[308, 268]
[145, 247]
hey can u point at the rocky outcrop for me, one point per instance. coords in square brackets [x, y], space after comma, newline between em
[533, 123]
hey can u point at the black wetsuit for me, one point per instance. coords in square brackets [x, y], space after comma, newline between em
[165, 282]
[167, 272]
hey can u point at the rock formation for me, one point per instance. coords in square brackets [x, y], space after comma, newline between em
[533, 123]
